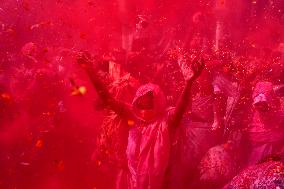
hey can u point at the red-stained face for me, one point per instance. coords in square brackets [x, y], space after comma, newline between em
[145, 102]
[145, 106]
[146, 115]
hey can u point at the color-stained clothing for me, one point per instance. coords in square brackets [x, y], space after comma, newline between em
[149, 145]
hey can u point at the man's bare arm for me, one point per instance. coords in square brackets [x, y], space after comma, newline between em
[85, 61]
[185, 99]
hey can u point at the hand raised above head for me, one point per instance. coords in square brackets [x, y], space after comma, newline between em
[197, 66]
[193, 69]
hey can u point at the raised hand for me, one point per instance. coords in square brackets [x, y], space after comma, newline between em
[192, 71]
[197, 67]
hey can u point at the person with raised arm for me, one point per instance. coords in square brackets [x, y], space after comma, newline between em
[151, 124]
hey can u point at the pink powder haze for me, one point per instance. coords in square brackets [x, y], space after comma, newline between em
[54, 129]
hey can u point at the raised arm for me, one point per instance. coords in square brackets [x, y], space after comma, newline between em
[86, 62]
[185, 99]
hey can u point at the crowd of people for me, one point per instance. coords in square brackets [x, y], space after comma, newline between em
[229, 117]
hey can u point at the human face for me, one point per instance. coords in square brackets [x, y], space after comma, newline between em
[146, 102]
[145, 107]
